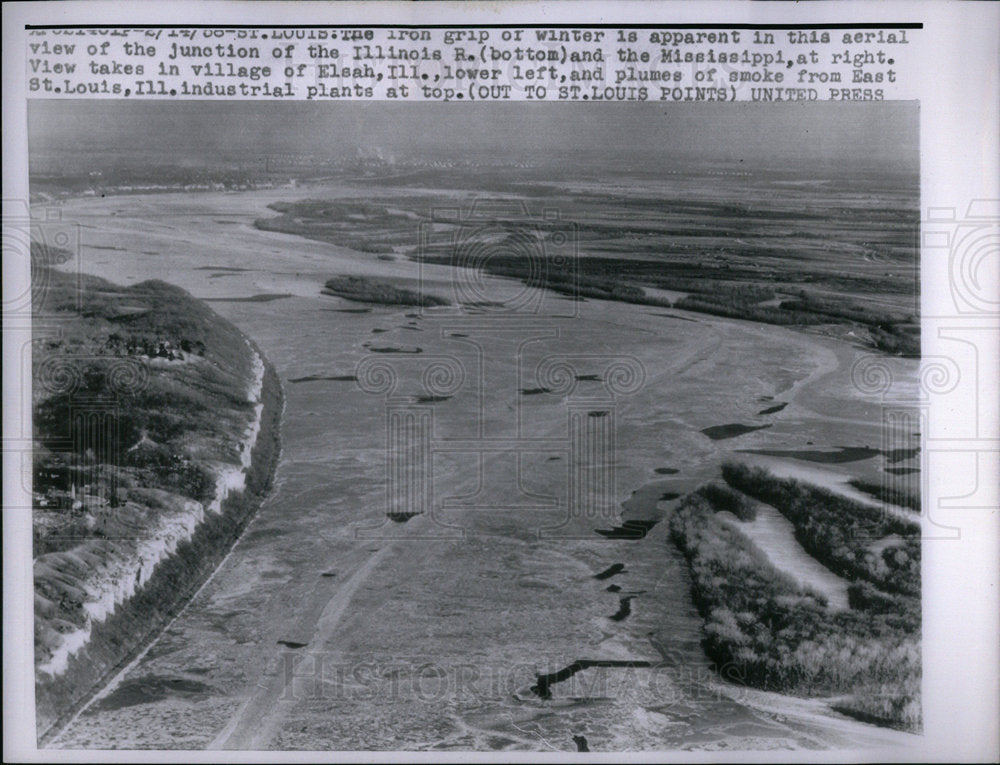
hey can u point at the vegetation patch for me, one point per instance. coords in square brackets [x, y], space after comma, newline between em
[887, 493]
[265, 297]
[359, 225]
[769, 262]
[721, 497]
[365, 290]
[740, 296]
[893, 333]
[838, 532]
[763, 629]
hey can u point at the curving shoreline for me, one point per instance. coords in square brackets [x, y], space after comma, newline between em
[172, 564]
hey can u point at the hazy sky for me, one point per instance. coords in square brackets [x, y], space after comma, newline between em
[862, 133]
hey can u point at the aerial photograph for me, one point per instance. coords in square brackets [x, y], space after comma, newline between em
[482, 427]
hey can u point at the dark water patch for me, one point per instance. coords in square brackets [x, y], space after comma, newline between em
[104, 247]
[666, 471]
[766, 398]
[667, 496]
[228, 222]
[545, 682]
[610, 571]
[400, 517]
[147, 690]
[589, 378]
[613, 588]
[534, 391]
[902, 470]
[458, 334]
[841, 455]
[219, 275]
[773, 409]
[675, 316]
[900, 455]
[211, 268]
[292, 644]
[553, 459]
[318, 378]
[264, 297]
[624, 609]
[598, 414]
[632, 530]
[431, 399]
[871, 719]
[348, 310]
[393, 349]
[581, 743]
[378, 331]
[733, 429]
[643, 504]
[413, 329]
[329, 574]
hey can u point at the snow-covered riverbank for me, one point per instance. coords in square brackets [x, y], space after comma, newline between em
[126, 567]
